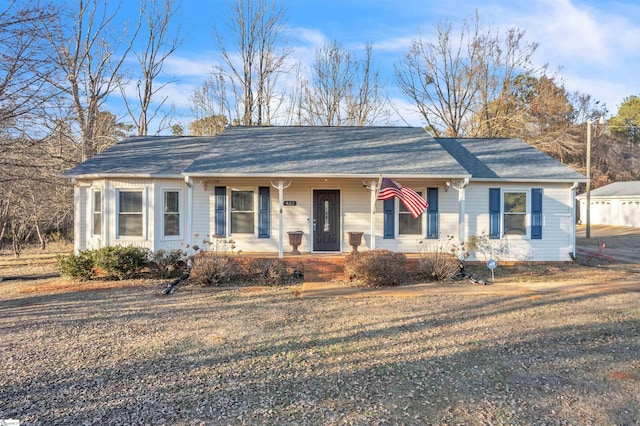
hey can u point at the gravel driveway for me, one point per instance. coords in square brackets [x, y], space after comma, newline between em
[128, 355]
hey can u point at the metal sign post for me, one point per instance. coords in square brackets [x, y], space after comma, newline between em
[492, 265]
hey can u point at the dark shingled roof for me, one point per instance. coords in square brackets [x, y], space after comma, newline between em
[325, 151]
[616, 190]
[503, 158]
[144, 155]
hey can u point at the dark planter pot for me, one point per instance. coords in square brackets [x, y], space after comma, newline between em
[295, 239]
[355, 239]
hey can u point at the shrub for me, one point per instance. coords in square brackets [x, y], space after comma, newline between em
[122, 262]
[166, 263]
[268, 271]
[438, 259]
[212, 269]
[78, 266]
[377, 268]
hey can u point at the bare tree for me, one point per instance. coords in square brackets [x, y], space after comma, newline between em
[89, 51]
[160, 41]
[453, 79]
[211, 98]
[344, 90]
[23, 89]
[256, 28]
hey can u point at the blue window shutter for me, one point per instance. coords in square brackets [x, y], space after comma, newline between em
[432, 213]
[494, 213]
[221, 211]
[389, 218]
[264, 212]
[536, 213]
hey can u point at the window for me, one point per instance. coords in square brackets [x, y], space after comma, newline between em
[129, 213]
[515, 213]
[242, 213]
[96, 213]
[171, 213]
[407, 225]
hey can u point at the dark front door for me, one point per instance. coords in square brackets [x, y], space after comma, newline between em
[326, 220]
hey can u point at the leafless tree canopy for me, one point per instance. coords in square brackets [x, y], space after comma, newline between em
[452, 79]
[343, 90]
[257, 39]
[159, 37]
[88, 51]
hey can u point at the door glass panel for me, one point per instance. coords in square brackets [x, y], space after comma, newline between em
[326, 216]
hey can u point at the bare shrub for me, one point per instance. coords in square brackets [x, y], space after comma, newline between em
[268, 271]
[438, 259]
[213, 269]
[166, 263]
[376, 268]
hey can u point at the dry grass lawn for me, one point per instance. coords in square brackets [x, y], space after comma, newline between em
[122, 353]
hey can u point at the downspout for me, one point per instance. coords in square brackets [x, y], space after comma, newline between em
[572, 212]
[189, 213]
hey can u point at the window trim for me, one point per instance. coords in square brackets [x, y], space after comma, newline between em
[527, 213]
[142, 212]
[94, 192]
[253, 190]
[180, 235]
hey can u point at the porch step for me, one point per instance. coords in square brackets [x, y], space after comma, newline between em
[324, 269]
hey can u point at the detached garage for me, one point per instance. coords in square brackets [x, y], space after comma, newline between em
[617, 204]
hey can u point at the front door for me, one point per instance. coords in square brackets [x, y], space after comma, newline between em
[326, 220]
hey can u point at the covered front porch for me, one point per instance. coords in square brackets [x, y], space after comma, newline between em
[260, 214]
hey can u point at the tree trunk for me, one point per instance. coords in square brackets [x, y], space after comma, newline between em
[43, 243]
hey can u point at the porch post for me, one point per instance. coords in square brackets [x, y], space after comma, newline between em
[373, 186]
[460, 186]
[281, 187]
[281, 219]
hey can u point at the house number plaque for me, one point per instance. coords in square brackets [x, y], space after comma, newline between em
[289, 203]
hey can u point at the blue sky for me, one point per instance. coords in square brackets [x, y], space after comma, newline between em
[595, 45]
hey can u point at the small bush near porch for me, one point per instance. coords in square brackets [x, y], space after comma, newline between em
[377, 268]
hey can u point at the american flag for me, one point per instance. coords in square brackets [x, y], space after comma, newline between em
[389, 188]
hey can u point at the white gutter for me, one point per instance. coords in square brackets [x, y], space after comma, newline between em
[529, 180]
[325, 175]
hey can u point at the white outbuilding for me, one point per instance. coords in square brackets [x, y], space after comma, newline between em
[616, 204]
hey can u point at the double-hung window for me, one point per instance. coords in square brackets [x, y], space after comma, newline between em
[242, 212]
[171, 213]
[514, 208]
[96, 213]
[130, 219]
[516, 212]
[407, 224]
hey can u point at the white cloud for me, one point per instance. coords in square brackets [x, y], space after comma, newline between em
[181, 66]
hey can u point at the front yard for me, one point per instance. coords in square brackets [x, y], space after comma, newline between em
[537, 347]
[126, 354]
